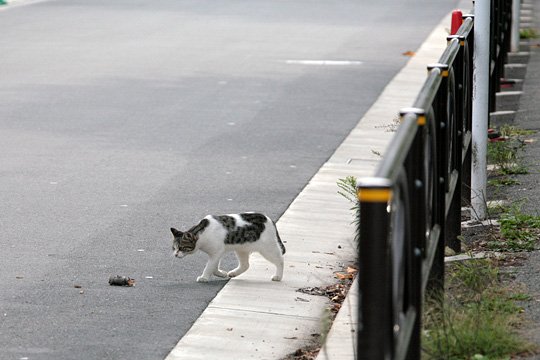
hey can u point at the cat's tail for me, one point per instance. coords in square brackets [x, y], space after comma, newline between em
[280, 243]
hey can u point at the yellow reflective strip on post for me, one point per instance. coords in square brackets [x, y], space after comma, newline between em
[421, 121]
[444, 73]
[374, 195]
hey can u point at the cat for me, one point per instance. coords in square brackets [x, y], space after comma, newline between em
[242, 233]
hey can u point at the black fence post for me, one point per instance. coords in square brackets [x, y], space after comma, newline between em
[375, 330]
[436, 276]
[468, 52]
[418, 188]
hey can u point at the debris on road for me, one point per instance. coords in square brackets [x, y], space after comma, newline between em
[118, 280]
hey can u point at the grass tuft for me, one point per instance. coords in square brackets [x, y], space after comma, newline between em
[476, 319]
[508, 155]
[528, 33]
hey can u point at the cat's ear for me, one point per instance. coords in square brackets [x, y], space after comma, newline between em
[176, 233]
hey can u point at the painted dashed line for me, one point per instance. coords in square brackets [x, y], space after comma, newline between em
[324, 62]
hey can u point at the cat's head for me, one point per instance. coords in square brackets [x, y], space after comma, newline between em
[184, 243]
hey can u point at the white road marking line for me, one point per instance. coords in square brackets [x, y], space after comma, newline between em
[324, 62]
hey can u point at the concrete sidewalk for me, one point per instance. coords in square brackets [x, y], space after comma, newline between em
[255, 318]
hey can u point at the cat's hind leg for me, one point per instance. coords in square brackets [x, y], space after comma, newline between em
[276, 258]
[243, 263]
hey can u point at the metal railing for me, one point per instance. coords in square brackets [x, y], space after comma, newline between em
[411, 209]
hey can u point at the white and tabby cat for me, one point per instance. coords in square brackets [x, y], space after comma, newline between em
[241, 233]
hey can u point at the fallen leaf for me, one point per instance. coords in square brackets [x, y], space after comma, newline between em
[344, 276]
[409, 53]
[351, 270]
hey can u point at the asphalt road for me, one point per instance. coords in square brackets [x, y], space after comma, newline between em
[120, 119]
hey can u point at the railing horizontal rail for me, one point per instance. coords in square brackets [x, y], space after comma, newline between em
[397, 150]
[429, 90]
[451, 52]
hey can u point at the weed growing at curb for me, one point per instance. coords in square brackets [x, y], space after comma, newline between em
[519, 231]
[475, 318]
[512, 231]
[507, 155]
[347, 189]
[503, 180]
[528, 33]
[510, 130]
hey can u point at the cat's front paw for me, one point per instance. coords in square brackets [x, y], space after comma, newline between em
[276, 278]
[221, 274]
[202, 279]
